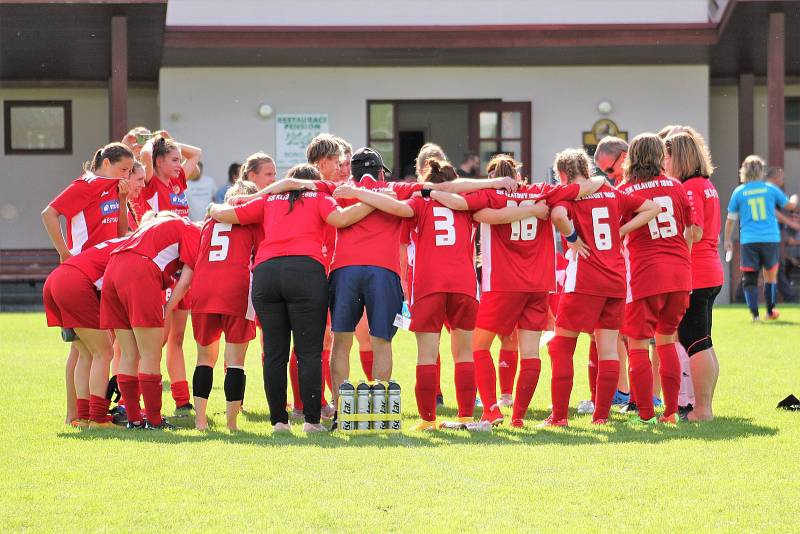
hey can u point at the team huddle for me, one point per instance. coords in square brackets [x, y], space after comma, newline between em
[334, 249]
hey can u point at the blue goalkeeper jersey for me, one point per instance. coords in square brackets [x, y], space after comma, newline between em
[754, 204]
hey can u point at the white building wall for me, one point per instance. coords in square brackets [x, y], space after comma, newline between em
[438, 13]
[29, 183]
[221, 115]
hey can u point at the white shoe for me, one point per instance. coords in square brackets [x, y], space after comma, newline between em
[297, 414]
[282, 427]
[308, 428]
[586, 407]
[327, 412]
[505, 401]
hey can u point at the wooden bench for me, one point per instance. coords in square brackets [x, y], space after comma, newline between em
[27, 265]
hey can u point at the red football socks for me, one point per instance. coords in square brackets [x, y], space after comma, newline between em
[607, 378]
[561, 349]
[507, 370]
[180, 392]
[641, 381]
[593, 359]
[438, 375]
[485, 378]
[98, 409]
[465, 388]
[82, 406]
[366, 357]
[129, 388]
[669, 369]
[151, 391]
[425, 391]
[294, 378]
[529, 370]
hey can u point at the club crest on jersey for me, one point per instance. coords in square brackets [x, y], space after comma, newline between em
[178, 199]
[109, 207]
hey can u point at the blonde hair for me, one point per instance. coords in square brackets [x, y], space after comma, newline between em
[253, 164]
[437, 171]
[574, 162]
[687, 157]
[645, 158]
[347, 148]
[502, 165]
[428, 151]
[752, 169]
[323, 146]
[241, 187]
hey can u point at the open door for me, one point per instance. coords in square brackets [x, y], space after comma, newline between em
[501, 128]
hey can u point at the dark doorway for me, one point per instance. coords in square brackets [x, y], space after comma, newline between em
[410, 143]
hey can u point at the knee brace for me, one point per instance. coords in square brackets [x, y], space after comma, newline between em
[749, 279]
[202, 381]
[234, 384]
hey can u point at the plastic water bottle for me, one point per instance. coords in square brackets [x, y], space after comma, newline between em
[394, 406]
[362, 404]
[347, 404]
[379, 405]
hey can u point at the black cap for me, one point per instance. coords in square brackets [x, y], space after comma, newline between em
[367, 161]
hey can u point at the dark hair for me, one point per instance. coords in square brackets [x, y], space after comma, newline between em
[113, 152]
[304, 171]
[437, 171]
[161, 147]
[233, 171]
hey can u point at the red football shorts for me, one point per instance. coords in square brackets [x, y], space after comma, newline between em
[132, 294]
[429, 313]
[70, 299]
[185, 303]
[586, 313]
[503, 311]
[208, 327]
[656, 314]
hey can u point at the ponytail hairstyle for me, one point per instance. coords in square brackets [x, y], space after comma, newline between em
[687, 157]
[645, 159]
[438, 171]
[752, 169]
[304, 171]
[574, 163]
[253, 164]
[503, 165]
[428, 151]
[113, 152]
[161, 147]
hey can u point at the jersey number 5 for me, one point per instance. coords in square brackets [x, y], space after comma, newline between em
[524, 229]
[656, 226]
[443, 222]
[219, 240]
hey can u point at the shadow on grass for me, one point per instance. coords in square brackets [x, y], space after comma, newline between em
[580, 433]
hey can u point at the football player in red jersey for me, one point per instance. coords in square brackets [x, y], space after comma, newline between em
[72, 300]
[221, 304]
[688, 160]
[594, 288]
[91, 207]
[167, 164]
[132, 304]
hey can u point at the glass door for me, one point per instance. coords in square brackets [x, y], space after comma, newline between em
[501, 128]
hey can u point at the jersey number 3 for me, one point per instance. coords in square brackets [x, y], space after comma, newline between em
[443, 222]
[218, 239]
[664, 225]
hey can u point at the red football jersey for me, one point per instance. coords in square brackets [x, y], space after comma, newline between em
[328, 245]
[91, 206]
[160, 196]
[299, 232]
[221, 281]
[519, 256]
[170, 243]
[706, 264]
[444, 247]
[597, 219]
[375, 239]
[659, 255]
[93, 261]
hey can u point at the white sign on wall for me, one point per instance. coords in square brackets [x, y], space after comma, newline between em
[294, 131]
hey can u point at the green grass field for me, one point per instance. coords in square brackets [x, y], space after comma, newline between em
[737, 473]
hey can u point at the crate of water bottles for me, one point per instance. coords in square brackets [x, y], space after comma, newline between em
[369, 407]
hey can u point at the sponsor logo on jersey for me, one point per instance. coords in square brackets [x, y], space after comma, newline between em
[109, 207]
[178, 199]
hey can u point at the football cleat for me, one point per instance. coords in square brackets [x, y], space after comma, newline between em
[163, 425]
[135, 426]
[424, 426]
[600, 421]
[310, 428]
[298, 414]
[585, 407]
[630, 409]
[493, 415]
[638, 421]
[657, 403]
[620, 398]
[553, 422]
[107, 424]
[118, 415]
[517, 423]
[505, 400]
[773, 315]
[79, 423]
[671, 419]
[281, 428]
[185, 410]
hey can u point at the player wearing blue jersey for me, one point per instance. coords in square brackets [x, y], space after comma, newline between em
[754, 204]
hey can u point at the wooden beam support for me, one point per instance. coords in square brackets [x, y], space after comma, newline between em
[118, 84]
[746, 111]
[776, 79]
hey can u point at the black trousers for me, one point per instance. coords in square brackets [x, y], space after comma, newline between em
[290, 296]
